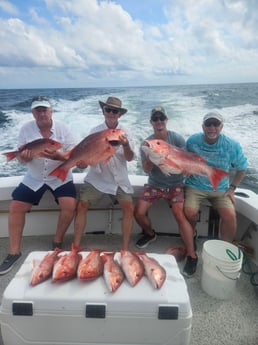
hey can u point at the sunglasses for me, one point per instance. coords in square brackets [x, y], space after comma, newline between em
[157, 118]
[109, 110]
[212, 123]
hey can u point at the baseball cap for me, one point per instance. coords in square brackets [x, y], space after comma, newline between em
[213, 115]
[40, 101]
[158, 109]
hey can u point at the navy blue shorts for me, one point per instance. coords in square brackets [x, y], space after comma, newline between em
[25, 194]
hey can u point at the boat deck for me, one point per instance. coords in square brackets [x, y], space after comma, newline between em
[224, 322]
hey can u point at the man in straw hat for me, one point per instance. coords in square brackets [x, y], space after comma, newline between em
[109, 178]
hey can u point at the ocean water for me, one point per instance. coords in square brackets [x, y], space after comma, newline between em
[185, 105]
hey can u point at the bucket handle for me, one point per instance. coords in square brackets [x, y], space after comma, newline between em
[232, 255]
[226, 275]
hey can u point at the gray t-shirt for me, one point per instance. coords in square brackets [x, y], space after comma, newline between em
[156, 176]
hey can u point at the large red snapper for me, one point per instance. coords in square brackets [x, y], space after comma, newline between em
[132, 267]
[95, 148]
[91, 267]
[43, 270]
[155, 273]
[113, 274]
[174, 160]
[65, 267]
[37, 148]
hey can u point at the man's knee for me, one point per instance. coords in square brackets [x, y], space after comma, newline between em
[191, 213]
[139, 212]
[82, 206]
[19, 207]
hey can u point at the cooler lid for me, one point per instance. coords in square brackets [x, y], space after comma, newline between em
[93, 298]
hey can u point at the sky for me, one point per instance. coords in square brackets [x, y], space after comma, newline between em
[91, 43]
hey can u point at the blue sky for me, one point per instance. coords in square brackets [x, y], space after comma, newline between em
[90, 43]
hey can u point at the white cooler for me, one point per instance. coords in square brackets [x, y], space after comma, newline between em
[77, 312]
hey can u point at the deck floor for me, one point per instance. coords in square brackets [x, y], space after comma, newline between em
[215, 322]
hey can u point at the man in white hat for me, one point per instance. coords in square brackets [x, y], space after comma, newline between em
[109, 178]
[221, 152]
[36, 180]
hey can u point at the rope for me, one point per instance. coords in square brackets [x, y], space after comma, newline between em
[253, 275]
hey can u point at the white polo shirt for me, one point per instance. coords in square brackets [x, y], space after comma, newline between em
[39, 168]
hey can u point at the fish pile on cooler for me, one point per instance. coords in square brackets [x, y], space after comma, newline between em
[62, 266]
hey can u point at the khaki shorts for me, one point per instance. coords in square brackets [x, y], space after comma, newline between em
[194, 198]
[89, 193]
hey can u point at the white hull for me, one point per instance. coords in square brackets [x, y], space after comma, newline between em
[106, 217]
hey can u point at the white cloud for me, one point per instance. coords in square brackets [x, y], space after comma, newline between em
[8, 7]
[97, 41]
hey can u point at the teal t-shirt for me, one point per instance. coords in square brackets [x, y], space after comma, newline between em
[225, 154]
[156, 176]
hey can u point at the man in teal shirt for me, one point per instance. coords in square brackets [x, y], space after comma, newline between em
[221, 152]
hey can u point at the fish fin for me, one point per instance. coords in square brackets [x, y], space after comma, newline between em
[216, 176]
[59, 172]
[10, 155]
[173, 164]
[198, 157]
[163, 167]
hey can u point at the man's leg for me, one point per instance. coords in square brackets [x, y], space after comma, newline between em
[127, 221]
[67, 211]
[228, 223]
[185, 228]
[16, 222]
[80, 221]
[141, 216]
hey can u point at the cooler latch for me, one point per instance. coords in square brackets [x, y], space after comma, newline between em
[22, 308]
[95, 311]
[168, 313]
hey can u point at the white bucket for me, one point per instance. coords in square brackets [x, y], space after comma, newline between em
[222, 262]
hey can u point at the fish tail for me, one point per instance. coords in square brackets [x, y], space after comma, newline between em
[58, 250]
[59, 172]
[10, 155]
[106, 255]
[216, 176]
[77, 249]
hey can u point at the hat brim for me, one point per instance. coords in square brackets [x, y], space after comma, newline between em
[214, 117]
[122, 110]
[36, 104]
